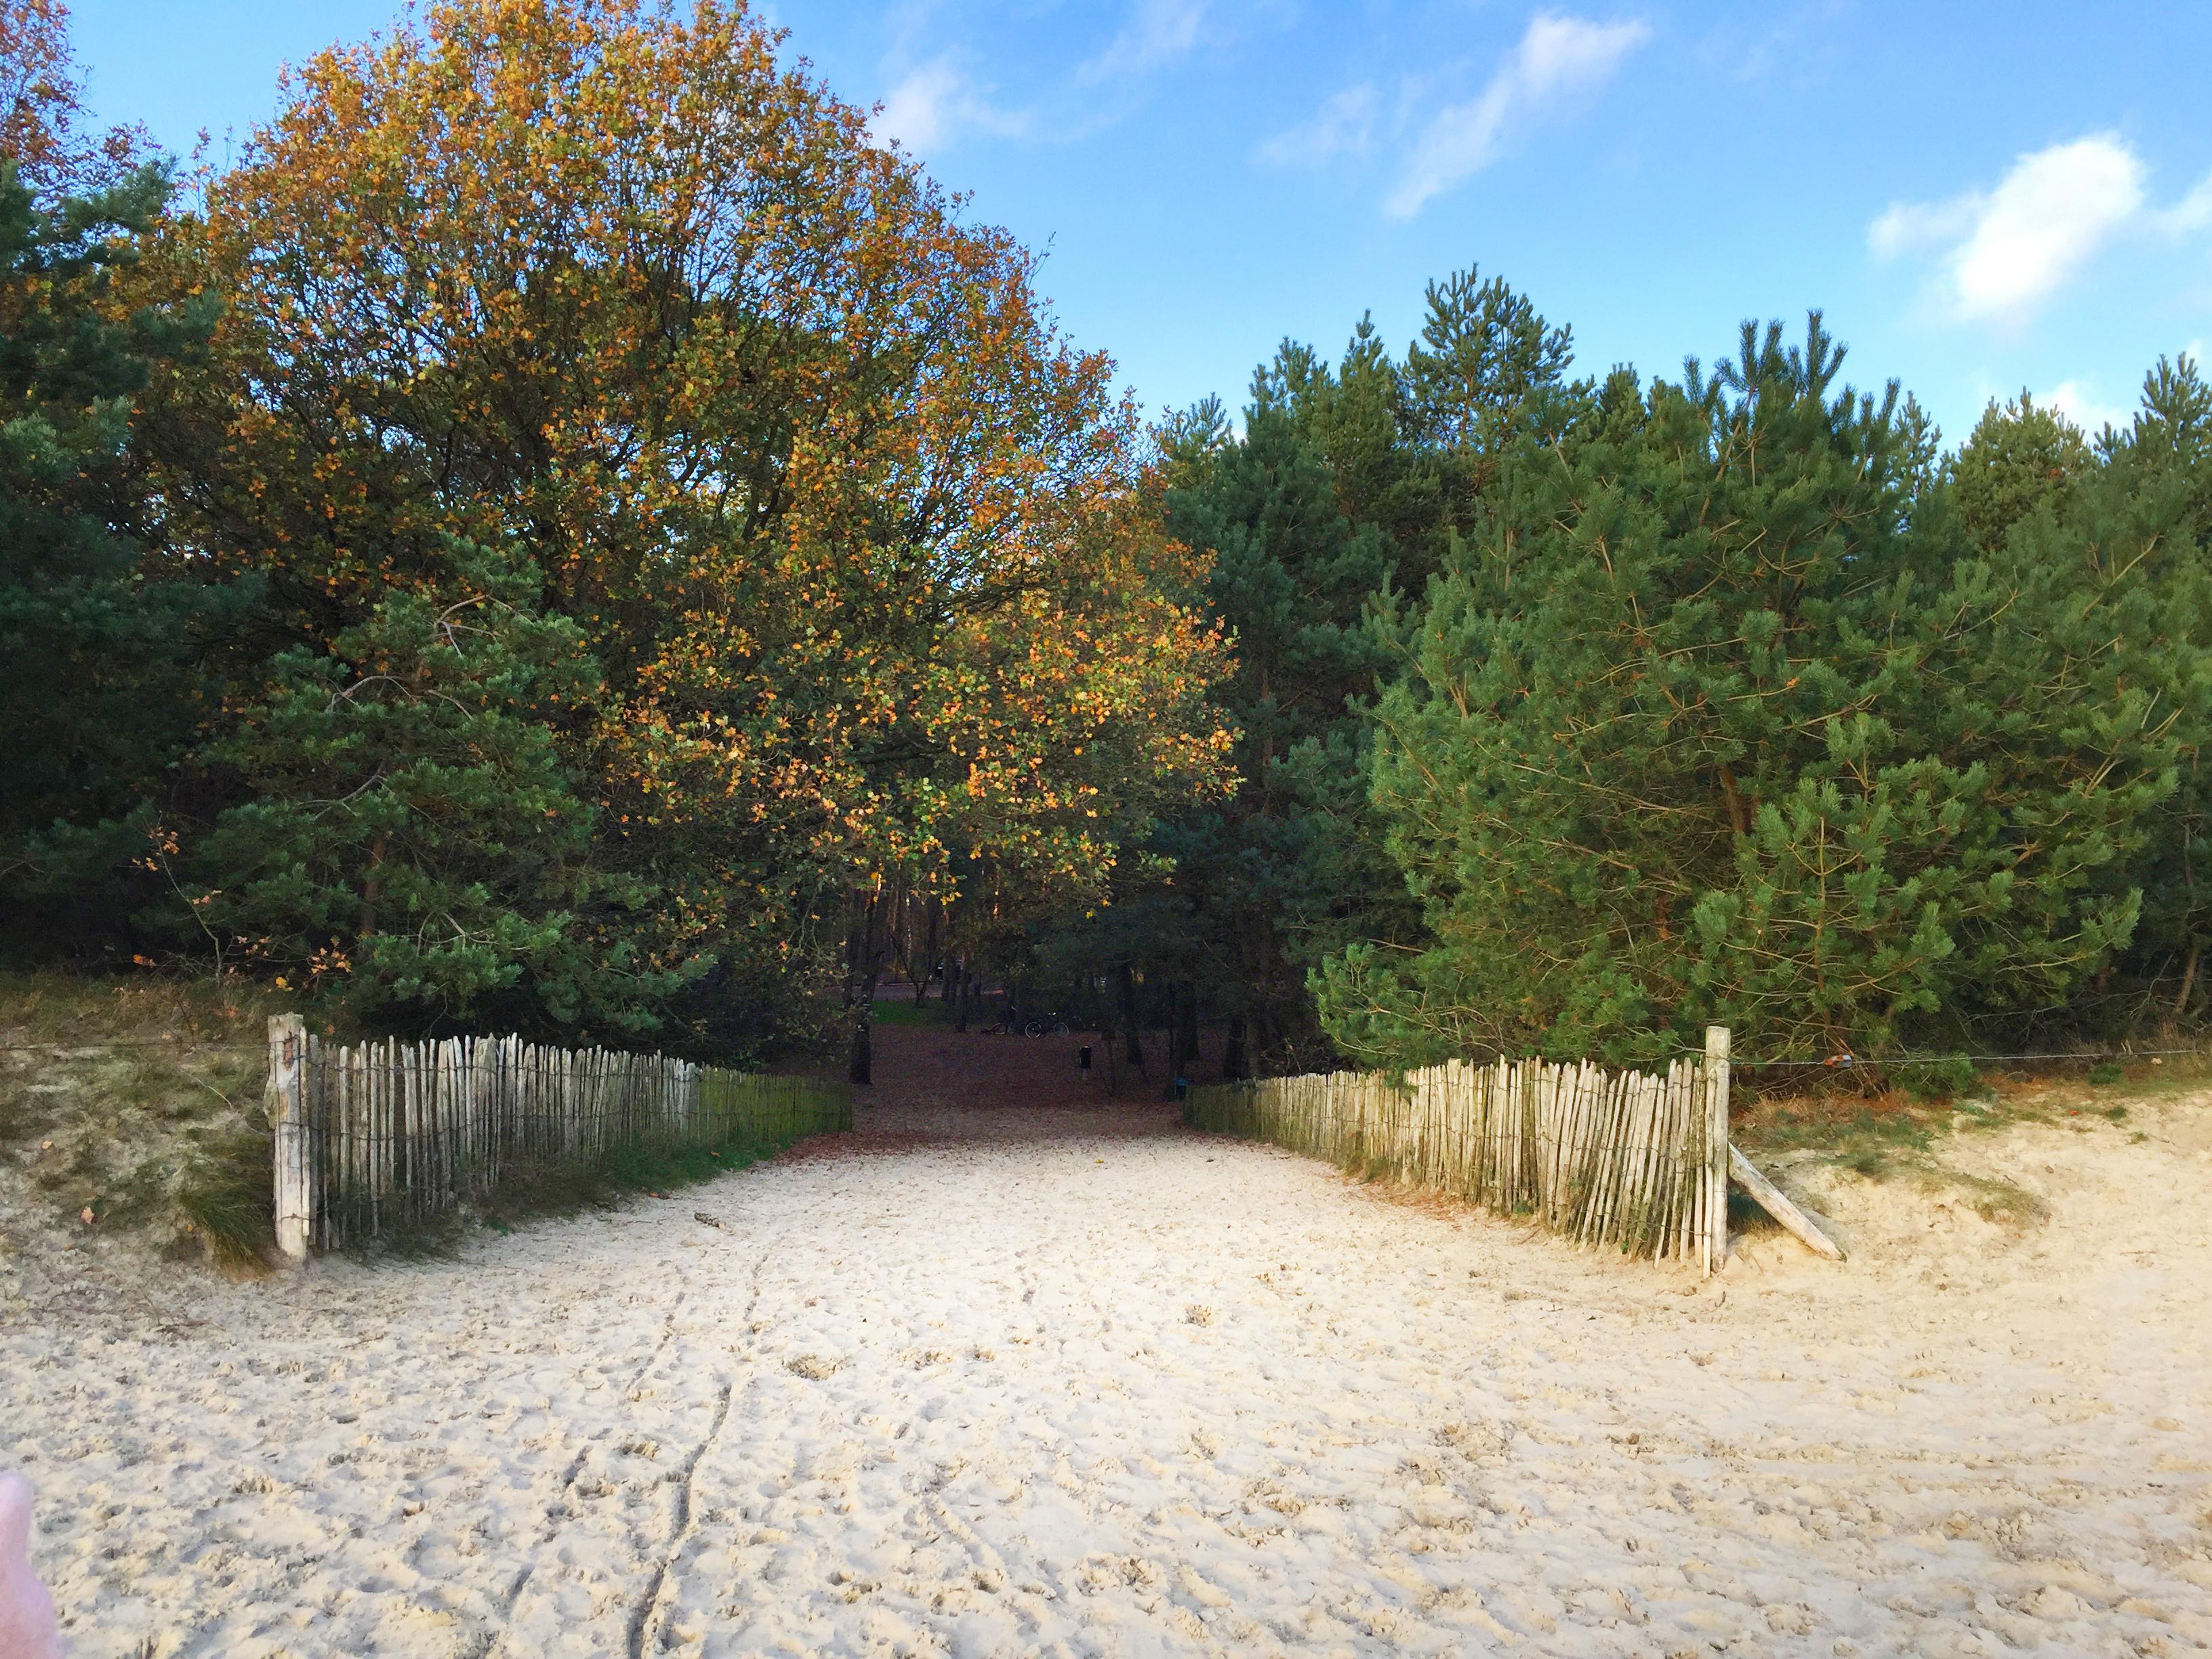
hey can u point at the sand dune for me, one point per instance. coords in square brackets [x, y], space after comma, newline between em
[1053, 1389]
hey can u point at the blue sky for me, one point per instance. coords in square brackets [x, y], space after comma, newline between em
[1983, 198]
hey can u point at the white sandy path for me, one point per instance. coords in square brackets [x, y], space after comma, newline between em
[1112, 1394]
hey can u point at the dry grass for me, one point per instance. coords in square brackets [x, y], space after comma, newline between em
[1893, 1135]
[135, 1105]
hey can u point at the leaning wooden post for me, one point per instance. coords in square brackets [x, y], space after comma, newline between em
[287, 1113]
[1715, 1249]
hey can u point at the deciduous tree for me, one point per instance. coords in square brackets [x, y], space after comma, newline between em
[855, 540]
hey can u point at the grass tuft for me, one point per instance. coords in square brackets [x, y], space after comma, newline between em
[1992, 1198]
[228, 1197]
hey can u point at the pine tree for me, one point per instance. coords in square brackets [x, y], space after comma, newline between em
[2160, 468]
[2019, 459]
[1292, 576]
[1345, 490]
[106, 645]
[1725, 717]
[408, 830]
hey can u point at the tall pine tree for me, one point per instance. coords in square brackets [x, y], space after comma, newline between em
[109, 636]
[1724, 716]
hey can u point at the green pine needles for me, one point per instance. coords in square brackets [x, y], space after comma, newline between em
[1724, 711]
[406, 792]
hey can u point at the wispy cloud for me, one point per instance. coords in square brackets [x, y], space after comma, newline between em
[1344, 126]
[932, 103]
[1157, 34]
[1793, 44]
[1559, 60]
[2073, 400]
[2002, 254]
[2193, 212]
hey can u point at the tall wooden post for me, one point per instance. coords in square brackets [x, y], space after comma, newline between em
[1715, 1249]
[287, 1112]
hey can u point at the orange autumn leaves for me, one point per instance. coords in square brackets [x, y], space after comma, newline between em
[44, 125]
[862, 551]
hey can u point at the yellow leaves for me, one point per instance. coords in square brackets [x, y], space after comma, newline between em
[863, 549]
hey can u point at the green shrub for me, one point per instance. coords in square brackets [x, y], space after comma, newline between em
[1940, 1079]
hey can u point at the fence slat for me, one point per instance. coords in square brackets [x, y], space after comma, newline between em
[1633, 1160]
[376, 1138]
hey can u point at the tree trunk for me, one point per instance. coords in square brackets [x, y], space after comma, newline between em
[1178, 1057]
[863, 1068]
[372, 883]
[1739, 810]
[1261, 1036]
[929, 955]
[1133, 1036]
[1187, 1028]
[864, 956]
[1234, 1066]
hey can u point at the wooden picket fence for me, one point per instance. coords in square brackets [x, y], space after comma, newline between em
[1634, 1160]
[380, 1138]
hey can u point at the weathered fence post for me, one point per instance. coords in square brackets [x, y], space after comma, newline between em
[1715, 1246]
[287, 1112]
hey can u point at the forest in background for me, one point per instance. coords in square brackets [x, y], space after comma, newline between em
[1577, 713]
[567, 534]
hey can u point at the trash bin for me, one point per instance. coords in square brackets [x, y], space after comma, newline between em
[1083, 1058]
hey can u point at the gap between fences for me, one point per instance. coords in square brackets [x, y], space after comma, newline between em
[382, 1138]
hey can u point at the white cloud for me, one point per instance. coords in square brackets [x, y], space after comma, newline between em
[2043, 221]
[2005, 252]
[2072, 400]
[2192, 212]
[1917, 227]
[933, 102]
[1157, 34]
[1344, 126]
[1559, 59]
